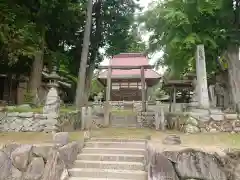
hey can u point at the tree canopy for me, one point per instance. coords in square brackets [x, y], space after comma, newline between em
[177, 26]
[56, 27]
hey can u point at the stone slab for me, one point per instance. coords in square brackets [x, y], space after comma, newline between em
[88, 178]
[118, 140]
[111, 157]
[114, 151]
[103, 144]
[109, 165]
[107, 173]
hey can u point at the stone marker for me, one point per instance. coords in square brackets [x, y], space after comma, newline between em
[203, 98]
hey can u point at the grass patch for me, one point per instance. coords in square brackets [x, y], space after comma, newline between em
[222, 140]
[39, 109]
[34, 137]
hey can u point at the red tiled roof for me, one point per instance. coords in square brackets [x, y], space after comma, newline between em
[133, 73]
[129, 59]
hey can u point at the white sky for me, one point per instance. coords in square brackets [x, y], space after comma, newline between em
[144, 3]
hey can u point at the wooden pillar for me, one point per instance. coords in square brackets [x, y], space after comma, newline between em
[143, 89]
[109, 84]
[107, 106]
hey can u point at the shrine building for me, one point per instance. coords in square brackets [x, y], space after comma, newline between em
[129, 76]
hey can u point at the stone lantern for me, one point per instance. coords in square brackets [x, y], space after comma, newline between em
[52, 104]
[53, 78]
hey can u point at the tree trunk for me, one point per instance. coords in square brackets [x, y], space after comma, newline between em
[84, 57]
[96, 38]
[37, 66]
[88, 83]
[234, 75]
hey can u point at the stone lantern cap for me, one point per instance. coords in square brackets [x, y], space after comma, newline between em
[53, 75]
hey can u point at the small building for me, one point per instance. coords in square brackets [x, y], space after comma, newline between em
[127, 77]
[13, 89]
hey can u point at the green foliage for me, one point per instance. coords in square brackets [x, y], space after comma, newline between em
[28, 98]
[178, 26]
[96, 87]
[57, 27]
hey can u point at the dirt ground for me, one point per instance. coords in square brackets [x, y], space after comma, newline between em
[210, 141]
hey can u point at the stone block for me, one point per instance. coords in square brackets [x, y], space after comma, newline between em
[231, 116]
[215, 125]
[25, 115]
[40, 116]
[217, 117]
[11, 108]
[190, 129]
[13, 114]
[35, 169]
[192, 121]
[69, 152]
[5, 166]
[197, 162]
[227, 126]
[215, 111]
[41, 151]
[21, 157]
[16, 174]
[200, 111]
[61, 138]
[25, 107]
[236, 126]
[9, 148]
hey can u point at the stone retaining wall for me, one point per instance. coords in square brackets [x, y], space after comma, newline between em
[192, 164]
[146, 119]
[190, 123]
[215, 123]
[29, 121]
[42, 162]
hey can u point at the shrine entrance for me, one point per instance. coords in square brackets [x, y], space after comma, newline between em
[126, 78]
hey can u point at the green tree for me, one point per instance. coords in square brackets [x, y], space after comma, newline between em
[178, 26]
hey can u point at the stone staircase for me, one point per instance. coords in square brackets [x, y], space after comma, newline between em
[113, 159]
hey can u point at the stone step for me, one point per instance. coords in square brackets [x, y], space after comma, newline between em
[113, 151]
[111, 157]
[109, 165]
[102, 144]
[118, 139]
[88, 178]
[107, 173]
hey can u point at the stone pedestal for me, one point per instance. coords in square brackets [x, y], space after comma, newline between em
[52, 104]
